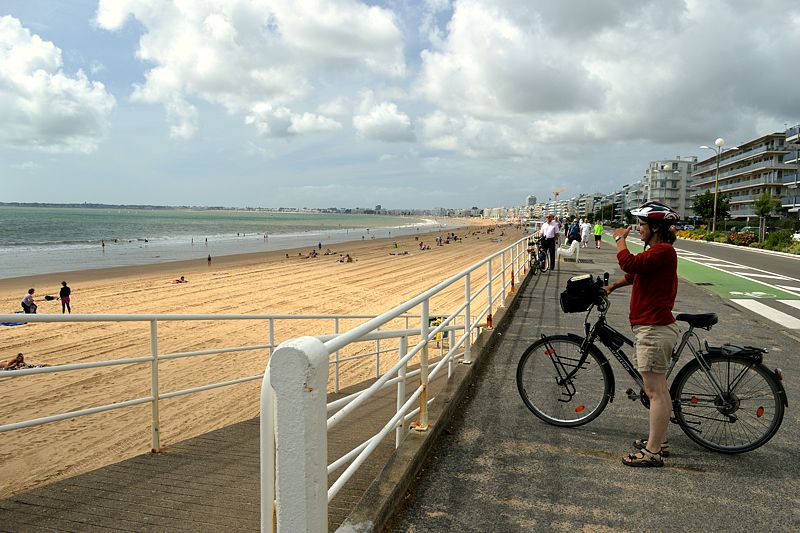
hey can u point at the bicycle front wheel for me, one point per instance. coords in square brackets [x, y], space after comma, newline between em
[534, 265]
[559, 385]
[544, 261]
[746, 415]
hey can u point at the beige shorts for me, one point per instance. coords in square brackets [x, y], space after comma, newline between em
[653, 347]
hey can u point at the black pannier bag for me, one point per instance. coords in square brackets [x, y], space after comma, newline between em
[581, 293]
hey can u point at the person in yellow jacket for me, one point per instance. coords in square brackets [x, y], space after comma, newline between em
[598, 234]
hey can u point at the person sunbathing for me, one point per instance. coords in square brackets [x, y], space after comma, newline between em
[14, 363]
[181, 280]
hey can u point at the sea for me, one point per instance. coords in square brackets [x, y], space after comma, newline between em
[43, 240]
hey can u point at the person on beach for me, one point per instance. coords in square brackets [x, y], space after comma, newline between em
[181, 280]
[64, 295]
[13, 363]
[654, 276]
[598, 234]
[28, 305]
[209, 259]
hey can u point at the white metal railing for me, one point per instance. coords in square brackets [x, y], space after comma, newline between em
[297, 493]
[154, 358]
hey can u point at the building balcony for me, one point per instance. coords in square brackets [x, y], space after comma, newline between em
[723, 176]
[701, 168]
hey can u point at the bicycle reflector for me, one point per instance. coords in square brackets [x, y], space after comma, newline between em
[580, 408]
[760, 412]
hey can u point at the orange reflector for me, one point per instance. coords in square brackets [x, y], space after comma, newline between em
[760, 412]
[550, 351]
[580, 408]
[693, 399]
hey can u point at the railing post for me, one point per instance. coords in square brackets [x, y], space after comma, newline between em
[267, 454]
[422, 423]
[336, 359]
[451, 341]
[377, 356]
[489, 303]
[503, 279]
[299, 376]
[400, 432]
[467, 322]
[271, 336]
[155, 439]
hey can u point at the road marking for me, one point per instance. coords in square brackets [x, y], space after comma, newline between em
[793, 303]
[754, 275]
[790, 289]
[779, 317]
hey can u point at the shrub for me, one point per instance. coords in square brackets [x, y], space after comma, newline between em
[778, 240]
[742, 239]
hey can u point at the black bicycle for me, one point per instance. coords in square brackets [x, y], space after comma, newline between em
[725, 399]
[537, 256]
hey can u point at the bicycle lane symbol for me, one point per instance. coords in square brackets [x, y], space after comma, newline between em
[753, 294]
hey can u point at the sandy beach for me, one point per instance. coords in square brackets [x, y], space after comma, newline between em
[245, 284]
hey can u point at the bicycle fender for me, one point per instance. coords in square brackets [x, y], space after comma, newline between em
[603, 362]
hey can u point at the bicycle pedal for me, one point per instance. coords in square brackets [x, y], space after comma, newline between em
[632, 395]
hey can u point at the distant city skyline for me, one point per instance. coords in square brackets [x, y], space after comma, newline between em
[410, 105]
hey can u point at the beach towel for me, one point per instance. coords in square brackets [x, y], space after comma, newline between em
[12, 323]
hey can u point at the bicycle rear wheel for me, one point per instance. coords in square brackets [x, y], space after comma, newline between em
[745, 416]
[543, 385]
[534, 265]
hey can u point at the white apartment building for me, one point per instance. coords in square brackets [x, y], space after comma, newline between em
[791, 192]
[745, 173]
[670, 181]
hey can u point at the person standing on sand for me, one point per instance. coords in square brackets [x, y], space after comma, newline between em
[64, 296]
[209, 259]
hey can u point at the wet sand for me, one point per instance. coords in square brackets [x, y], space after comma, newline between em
[262, 283]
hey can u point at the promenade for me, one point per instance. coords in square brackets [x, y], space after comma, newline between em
[499, 468]
[495, 467]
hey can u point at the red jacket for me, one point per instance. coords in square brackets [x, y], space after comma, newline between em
[654, 274]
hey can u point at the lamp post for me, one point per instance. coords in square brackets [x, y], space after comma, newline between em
[719, 143]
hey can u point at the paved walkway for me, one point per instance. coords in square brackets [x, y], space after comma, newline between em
[498, 468]
[208, 483]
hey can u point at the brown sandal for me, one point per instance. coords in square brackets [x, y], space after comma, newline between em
[665, 450]
[643, 458]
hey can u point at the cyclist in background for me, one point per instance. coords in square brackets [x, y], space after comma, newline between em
[654, 276]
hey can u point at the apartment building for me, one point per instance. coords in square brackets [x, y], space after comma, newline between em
[670, 181]
[791, 192]
[745, 173]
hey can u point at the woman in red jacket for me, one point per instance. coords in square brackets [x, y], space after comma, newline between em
[654, 276]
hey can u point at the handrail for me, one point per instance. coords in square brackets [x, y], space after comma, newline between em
[512, 260]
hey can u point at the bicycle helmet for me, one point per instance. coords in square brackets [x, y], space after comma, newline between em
[655, 210]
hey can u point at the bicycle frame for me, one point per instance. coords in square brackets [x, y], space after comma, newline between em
[614, 340]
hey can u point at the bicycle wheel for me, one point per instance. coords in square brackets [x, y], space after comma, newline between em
[541, 382]
[745, 416]
[534, 265]
[544, 261]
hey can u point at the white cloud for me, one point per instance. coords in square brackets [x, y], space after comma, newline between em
[41, 106]
[384, 122]
[262, 59]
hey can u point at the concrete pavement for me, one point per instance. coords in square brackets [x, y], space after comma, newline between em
[496, 467]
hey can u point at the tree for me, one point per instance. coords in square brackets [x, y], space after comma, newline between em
[765, 205]
[703, 206]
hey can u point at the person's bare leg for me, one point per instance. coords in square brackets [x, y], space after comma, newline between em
[655, 385]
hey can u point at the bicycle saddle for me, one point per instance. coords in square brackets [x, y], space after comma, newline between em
[701, 320]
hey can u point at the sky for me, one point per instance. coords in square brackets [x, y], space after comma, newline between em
[410, 104]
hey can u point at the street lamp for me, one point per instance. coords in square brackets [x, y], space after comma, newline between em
[719, 143]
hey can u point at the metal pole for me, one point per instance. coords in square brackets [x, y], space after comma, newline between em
[503, 278]
[422, 423]
[401, 391]
[271, 336]
[467, 322]
[716, 191]
[155, 440]
[489, 303]
[336, 359]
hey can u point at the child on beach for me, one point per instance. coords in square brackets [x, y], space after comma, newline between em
[28, 304]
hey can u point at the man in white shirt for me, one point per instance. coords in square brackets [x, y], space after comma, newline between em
[549, 231]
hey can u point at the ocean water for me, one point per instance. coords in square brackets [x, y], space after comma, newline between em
[36, 240]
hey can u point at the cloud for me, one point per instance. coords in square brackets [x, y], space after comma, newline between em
[384, 122]
[506, 77]
[261, 59]
[43, 107]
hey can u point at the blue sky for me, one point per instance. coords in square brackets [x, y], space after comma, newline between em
[408, 104]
